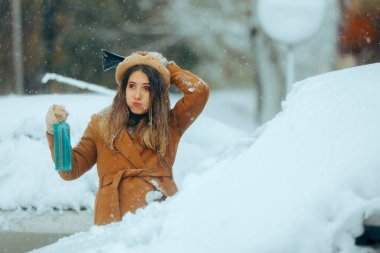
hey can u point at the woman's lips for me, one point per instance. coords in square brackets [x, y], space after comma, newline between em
[136, 104]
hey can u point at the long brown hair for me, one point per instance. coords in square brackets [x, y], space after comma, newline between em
[154, 133]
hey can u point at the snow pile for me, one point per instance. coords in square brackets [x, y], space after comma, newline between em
[304, 185]
[27, 175]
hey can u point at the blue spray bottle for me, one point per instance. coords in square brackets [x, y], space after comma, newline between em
[62, 146]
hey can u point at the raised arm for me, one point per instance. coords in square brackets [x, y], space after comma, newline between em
[84, 154]
[196, 93]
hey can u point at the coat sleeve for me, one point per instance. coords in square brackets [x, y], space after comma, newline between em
[84, 154]
[196, 93]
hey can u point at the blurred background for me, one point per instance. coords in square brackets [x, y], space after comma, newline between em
[221, 41]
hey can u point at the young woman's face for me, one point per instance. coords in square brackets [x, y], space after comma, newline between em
[137, 92]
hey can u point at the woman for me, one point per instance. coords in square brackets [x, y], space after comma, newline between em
[134, 141]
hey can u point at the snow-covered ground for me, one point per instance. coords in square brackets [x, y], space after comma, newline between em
[27, 174]
[303, 182]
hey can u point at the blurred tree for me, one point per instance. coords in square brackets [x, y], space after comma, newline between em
[80, 29]
[218, 40]
[219, 34]
[32, 45]
[233, 51]
[6, 50]
[65, 37]
[17, 47]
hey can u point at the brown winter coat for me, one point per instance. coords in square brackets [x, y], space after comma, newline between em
[129, 177]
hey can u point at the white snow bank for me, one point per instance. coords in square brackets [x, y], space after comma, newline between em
[303, 186]
[27, 175]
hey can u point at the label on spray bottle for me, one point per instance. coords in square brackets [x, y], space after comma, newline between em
[62, 146]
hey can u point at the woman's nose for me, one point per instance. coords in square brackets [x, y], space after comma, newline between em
[138, 93]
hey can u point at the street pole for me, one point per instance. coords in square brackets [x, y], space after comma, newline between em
[289, 68]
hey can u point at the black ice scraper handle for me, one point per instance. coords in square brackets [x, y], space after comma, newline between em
[110, 60]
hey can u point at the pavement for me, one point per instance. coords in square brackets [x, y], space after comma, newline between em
[22, 231]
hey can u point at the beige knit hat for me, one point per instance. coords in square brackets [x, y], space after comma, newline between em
[138, 59]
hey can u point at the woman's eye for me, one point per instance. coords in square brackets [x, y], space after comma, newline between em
[147, 88]
[131, 85]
